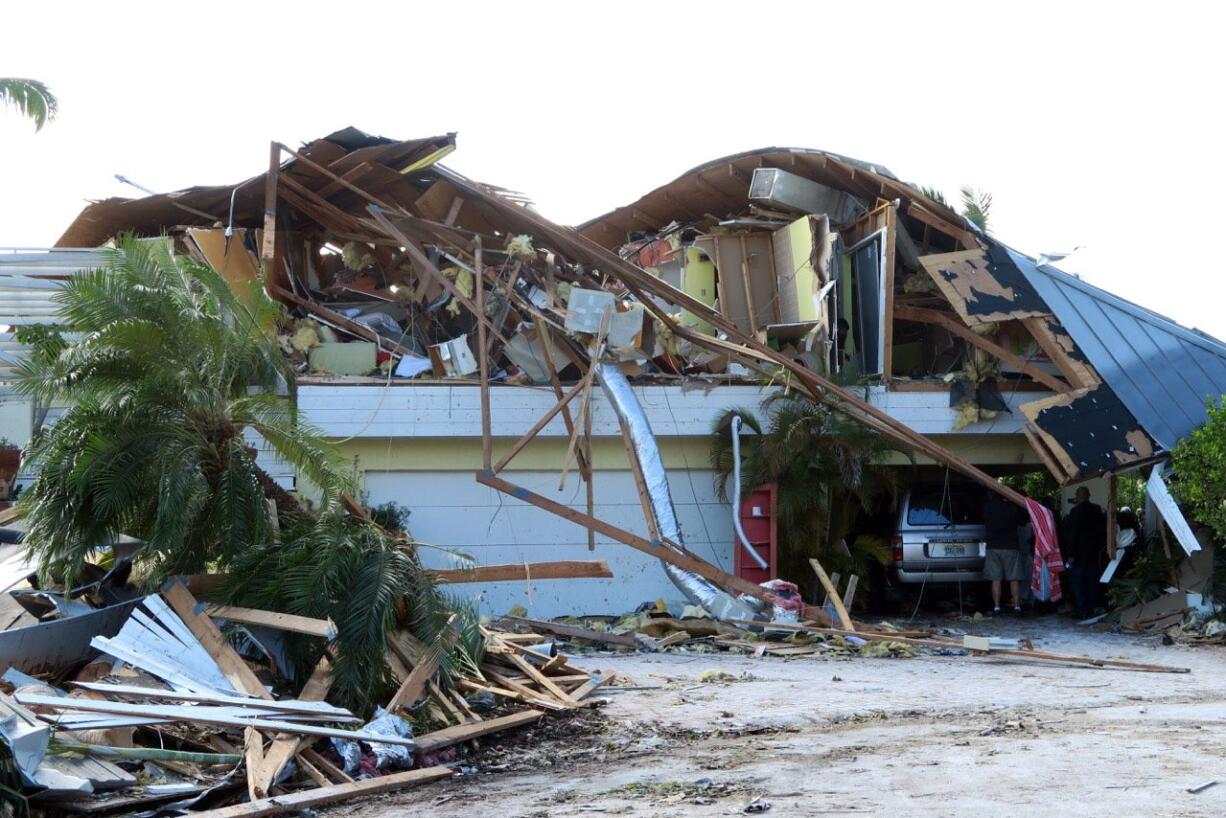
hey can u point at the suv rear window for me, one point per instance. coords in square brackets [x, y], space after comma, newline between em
[960, 505]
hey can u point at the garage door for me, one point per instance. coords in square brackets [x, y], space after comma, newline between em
[452, 510]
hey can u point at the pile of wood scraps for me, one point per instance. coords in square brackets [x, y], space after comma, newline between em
[170, 713]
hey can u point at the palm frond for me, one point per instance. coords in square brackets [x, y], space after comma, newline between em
[31, 98]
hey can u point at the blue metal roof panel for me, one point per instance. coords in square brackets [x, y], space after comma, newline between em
[1162, 371]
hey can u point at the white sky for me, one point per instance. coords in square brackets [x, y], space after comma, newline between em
[1092, 124]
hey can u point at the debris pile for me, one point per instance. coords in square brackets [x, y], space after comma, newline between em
[169, 715]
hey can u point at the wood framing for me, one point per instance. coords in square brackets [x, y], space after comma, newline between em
[524, 572]
[671, 553]
[952, 324]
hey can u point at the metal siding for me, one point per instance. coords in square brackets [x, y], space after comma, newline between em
[1163, 372]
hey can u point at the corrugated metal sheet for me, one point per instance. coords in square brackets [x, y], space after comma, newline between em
[1162, 371]
[28, 281]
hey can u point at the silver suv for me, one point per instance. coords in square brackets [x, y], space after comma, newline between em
[940, 535]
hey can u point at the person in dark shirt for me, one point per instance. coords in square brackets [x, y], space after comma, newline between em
[1001, 520]
[1085, 537]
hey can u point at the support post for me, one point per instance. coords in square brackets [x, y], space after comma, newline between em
[268, 250]
[483, 360]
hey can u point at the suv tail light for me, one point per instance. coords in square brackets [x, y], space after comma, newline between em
[897, 548]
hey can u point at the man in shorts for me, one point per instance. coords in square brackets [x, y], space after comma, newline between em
[1004, 563]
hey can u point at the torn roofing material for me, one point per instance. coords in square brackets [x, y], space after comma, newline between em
[364, 156]
[714, 186]
[1164, 373]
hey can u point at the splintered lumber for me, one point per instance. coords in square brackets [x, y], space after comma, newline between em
[525, 572]
[591, 685]
[449, 736]
[937, 643]
[325, 766]
[203, 715]
[298, 801]
[575, 631]
[306, 706]
[213, 641]
[283, 749]
[844, 618]
[323, 628]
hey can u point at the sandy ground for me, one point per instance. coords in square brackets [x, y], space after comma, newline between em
[817, 735]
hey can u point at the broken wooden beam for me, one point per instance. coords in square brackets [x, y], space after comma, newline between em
[298, 801]
[524, 572]
[449, 736]
[575, 631]
[323, 628]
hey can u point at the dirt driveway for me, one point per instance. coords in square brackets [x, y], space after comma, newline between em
[817, 735]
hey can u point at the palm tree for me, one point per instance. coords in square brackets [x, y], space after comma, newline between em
[31, 98]
[171, 372]
[827, 471]
[976, 206]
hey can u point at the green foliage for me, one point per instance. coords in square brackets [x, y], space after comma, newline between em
[934, 194]
[1147, 579]
[390, 515]
[170, 370]
[31, 98]
[825, 466]
[1039, 485]
[347, 570]
[976, 206]
[1199, 462]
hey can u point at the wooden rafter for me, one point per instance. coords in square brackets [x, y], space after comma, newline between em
[953, 325]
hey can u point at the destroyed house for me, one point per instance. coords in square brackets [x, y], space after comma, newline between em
[778, 267]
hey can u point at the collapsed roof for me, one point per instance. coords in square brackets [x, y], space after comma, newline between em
[780, 272]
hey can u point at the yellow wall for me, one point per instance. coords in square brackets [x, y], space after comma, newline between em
[464, 454]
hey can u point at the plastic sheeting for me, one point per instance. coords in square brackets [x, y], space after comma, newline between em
[716, 601]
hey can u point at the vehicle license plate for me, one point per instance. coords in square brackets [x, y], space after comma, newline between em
[953, 550]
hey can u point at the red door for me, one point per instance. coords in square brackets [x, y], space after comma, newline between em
[757, 514]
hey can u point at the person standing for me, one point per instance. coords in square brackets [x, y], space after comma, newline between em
[1001, 520]
[1085, 537]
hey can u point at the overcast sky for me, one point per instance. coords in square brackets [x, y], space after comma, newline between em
[1092, 124]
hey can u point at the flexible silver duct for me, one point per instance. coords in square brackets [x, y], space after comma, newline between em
[736, 495]
[716, 601]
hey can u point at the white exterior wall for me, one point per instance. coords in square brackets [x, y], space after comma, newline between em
[424, 457]
[452, 509]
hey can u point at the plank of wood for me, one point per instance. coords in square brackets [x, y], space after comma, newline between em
[413, 688]
[844, 618]
[938, 643]
[527, 437]
[323, 628]
[522, 692]
[672, 553]
[213, 641]
[994, 349]
[283, 749]
[524, 572]
[592, 685]
[547, 684]
[849, 596]
[439, 739]
[333, 772]
[298, 801]
[575, 631]
[313, 773]
[253, 753]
